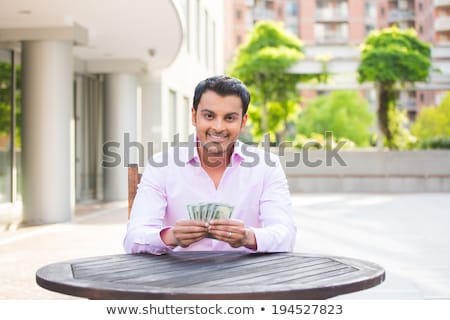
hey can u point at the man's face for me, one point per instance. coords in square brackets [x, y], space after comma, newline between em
[218, 121]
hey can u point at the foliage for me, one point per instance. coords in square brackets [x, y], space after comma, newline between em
[435, 143]
[261, 63]
[433, 122]
[391, 57]
[345, 113]
[402, 139]
[319, 141]
[432, 126]
[5, 99]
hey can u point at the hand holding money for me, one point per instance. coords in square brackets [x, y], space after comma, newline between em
[233, 232]
[208, 212]
[184, 233]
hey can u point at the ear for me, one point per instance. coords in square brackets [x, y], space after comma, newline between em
[244, 120]
[193, 117]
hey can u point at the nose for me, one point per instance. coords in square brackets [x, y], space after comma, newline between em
[218, 125]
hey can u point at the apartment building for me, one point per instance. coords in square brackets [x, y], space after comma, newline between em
[317, 22]
[442, 22]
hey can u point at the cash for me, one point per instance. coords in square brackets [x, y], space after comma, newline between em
[209, 211]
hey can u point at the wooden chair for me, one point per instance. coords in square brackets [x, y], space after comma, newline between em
[134, 177]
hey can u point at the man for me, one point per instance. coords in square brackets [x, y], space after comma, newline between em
[217, 169]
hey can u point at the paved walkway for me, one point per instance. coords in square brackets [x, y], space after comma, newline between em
[405, 233]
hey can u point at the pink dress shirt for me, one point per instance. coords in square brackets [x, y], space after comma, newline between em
[254, 184]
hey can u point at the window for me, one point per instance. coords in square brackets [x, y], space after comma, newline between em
[186, 120]
[188, 27]
[214, 45]
[291, 9]
[238, 14]
[197, 18]
[186, 9]
[6, 152]
[369, 28]
[172, 121]
[371, 10]
[10, 114]
[331, 33]
[206, 39]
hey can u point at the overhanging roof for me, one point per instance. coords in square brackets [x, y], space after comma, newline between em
[139, 30]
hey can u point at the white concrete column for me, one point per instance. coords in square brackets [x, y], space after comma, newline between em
[47, 104]
[120, 116]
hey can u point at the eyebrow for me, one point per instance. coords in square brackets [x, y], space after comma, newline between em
[228, 114]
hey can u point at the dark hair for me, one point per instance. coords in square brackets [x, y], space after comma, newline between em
[223, 86]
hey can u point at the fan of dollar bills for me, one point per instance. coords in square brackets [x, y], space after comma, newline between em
[209, 211]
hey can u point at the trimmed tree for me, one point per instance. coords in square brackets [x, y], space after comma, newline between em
[391, 57]
[261, 63]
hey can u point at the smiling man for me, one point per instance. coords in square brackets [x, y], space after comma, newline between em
[224, 196]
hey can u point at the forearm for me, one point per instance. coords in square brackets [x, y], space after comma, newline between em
[145, 240]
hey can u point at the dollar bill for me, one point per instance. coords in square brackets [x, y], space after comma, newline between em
[222, 211]
[209, 211]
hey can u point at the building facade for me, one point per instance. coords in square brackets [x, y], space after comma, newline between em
[96, 89]
[336, 28]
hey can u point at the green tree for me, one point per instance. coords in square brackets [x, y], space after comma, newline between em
[391, 57]
[345, 113]
[261, 63]
[433, 122]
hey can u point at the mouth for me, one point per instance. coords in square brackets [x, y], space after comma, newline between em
[217, 137]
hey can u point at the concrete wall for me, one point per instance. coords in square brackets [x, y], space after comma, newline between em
[367, 171]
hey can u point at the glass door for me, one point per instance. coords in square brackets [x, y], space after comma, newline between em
[9, 127]
[88, 101]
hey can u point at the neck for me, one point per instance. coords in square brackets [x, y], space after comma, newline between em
[214, 161]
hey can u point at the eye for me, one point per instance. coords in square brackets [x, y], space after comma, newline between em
[230, 118]
[208, 116]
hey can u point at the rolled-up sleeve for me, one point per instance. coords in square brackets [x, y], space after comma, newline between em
[278, 230]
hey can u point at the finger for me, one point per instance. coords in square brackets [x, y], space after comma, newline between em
[185, 242]
[190, 228]
[226, 222]
[227, 235]
[190, 233]
[188, 223]
[225, 229]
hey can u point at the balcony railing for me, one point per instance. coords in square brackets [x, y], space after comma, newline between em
[331, 38]
[441, 3]
[409, 104]
[263, 14]
[400, 15]
[442, 24]
[331, 15]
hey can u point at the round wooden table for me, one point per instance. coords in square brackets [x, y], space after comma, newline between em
[210, 275]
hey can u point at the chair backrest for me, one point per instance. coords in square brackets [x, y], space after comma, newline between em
[134, 177]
